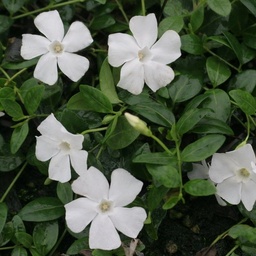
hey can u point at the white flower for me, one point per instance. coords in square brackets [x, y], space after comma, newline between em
[102, 205]
[62, 147]
[2, 113]
[144, 59]
[234, 174]
[57, 49]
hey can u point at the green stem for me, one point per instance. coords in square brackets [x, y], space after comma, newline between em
[248, 128]
[143, 8]
[232, 250]
[13, 182]
[177, 144]
[7, 248]
[161, 144]
[122, 11]
[47, 8]
[94, 130]
[14, 76]
[5, 73]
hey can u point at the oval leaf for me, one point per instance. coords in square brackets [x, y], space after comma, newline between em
[200, 188]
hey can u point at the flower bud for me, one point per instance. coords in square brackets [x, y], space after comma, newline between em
[138, 124]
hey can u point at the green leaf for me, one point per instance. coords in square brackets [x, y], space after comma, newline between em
[107, 85]
[245, 80]
[184, 88]
[202, 148]
[95, 100]
[64, 192]
[3, 215]
[221, 7]
[78, 246]
[42, 209]
[192, 43]
[175, 23]
[245, 101]
[5, 23]
[165, 175]
[200, 188]
[189, 119]
[251, 5]
[10, 162]
[19, 251]
[155, 112]
[45, 236]
[123, 134]
[19, 65]
[12, 108]
[197, 18]
[101, 22]
[18, 137]
[13, 5]
[171, 202]
[249, 37]
[155, 195]
[244, 233]
[24, 238]
[154, 158]
[217, 71]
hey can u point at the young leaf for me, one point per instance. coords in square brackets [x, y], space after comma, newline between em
[221, 7]
[200, 188]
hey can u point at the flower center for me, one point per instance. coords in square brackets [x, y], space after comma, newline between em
[56, 47]
[105, 206]
[244, 172]
[65, 146]
[144, 55]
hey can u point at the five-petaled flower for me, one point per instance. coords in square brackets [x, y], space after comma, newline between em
[102, 205]
[144, 59]
[62, 147]
[57, 49]
[234, 173]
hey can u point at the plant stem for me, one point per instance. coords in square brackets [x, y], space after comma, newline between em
[232, 250]
[122, 11]
[161, 144]
[143, 8]
[14, 76]
[47, 8]
[5, 73]
[177, 144]
[13, 182]
[94, 130]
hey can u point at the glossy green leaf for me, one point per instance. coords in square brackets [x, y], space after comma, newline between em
[13, 5]
[64, 192]
[200, 188]
[165, 175]
[154, 158]
[245, 101]
[192, 43]
[171, 202]
[24, 238]
[45, 236]
[107, 85]
[245, 80]
[18, 137]
[197, 18]
[3, 215]
[251, 5]
[175, 23]
[202, 148]
[19, 251]
[5, 23]
[42, 209]
[12, 108]
[123, 134]
[217, 71]
[221, 7]
[95, 100]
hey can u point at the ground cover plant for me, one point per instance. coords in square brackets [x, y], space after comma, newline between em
[127, 127]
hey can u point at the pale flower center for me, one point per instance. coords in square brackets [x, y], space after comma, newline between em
[105, 206]
[244, 172]
[56, 47]
[65, 146]
[144, 55]
[243, 175]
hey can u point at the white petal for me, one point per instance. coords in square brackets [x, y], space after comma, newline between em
[230, 190]
[220, 200]
[79, 213]
[249, 194]
[144, 29]
[50, 24]
[124, 187]
[45, 148]
[72, 65]
[92, 184]
[33, 46]
[199, 172]
[167, 48]
[59, 168]
[79, 160]
[157, 75]
[103, 234]
[77, 38]
[122, 48]
[46, 69]
[132, 77]
[222, 167]
[129, 221]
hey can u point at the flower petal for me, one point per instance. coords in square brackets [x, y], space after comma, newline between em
[230, 190]
[124, 187]
[248, 194]
[102, 234]
[77, 38]
[79, 160]
[33, 46]
[132, 77]
[157, 75]
[129, 221]
[73, 65]
[122, 48]
[46, 69]
[79, 213]
[50, 24]
[167, 48]
[92, 184]
[59, 168]
[45, 148]
[200, 171]
[144, 29]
